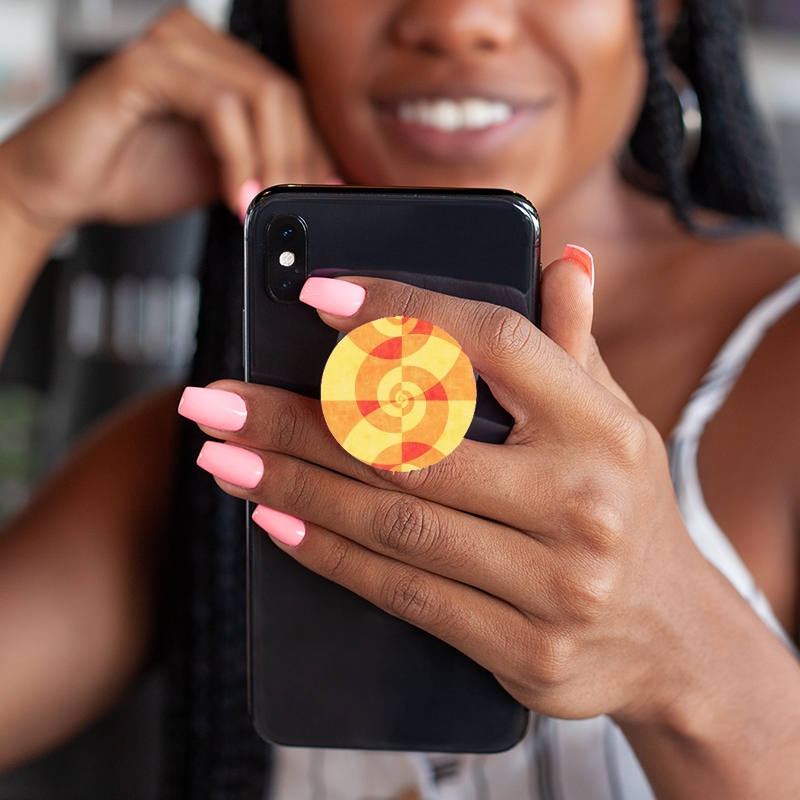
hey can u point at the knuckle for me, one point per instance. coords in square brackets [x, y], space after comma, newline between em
[334, 559]
[551, 665]
[167, 27]
[299, 491]
[507, 334]
[406, 525]
[412, 598]
[404, 298]
[594, 514]
[131, 72]
[288, 427]
[626, 438]
[588, 592]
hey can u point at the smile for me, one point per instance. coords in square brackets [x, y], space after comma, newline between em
[449, 116]
[458, 129]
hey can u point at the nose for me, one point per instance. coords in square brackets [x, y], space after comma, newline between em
[450, 27]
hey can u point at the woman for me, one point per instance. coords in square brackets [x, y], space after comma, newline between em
[576, 576]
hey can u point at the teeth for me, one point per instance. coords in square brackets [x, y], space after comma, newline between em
[448, 115]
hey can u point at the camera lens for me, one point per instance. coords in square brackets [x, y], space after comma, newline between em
[286, 255]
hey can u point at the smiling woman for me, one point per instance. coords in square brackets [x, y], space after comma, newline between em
[624, 564]
[391, 87]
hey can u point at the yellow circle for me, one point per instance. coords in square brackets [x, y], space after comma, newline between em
[398, 393]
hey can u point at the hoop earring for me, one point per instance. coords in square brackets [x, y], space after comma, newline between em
[691, 120]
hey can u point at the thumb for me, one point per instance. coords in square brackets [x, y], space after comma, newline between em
[567, 310]
[568, 303]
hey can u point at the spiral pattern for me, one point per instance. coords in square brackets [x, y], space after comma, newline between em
[398, 393]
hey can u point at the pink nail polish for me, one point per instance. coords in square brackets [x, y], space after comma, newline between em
[334, 296]
[232, 464]
[580, 255]
[216, 408]
[249, 190]
[283, 527]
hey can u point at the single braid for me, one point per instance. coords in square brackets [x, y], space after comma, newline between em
[657, 140]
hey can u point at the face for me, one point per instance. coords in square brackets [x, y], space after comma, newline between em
[530, 95]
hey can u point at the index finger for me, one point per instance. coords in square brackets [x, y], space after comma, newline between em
[523, 368]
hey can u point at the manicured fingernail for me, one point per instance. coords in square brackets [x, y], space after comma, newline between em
[216, 408]
[232, 464]
[334, 180]
[283, 527]
[580, 255]
[249, 190]
[334, 296]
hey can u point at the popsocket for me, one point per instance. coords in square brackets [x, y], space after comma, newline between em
[398, 393]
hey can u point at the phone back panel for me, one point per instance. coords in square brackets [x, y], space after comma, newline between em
[327, 668]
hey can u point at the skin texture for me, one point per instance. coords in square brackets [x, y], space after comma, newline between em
[596, 575]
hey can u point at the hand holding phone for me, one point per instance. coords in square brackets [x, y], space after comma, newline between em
[349, 674]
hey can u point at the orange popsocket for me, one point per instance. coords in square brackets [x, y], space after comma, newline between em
[398, 393]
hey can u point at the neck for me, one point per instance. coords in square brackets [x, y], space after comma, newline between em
[610, 218]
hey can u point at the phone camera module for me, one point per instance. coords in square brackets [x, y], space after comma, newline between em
[286, 257]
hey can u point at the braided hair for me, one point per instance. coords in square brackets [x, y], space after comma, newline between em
[211, 748]
[733, 172]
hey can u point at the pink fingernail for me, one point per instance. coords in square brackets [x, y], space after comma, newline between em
[232, 464]
[283, 527]
[250, 188]
[216, 408]
[580, 255]
[334, 180]
[334, 296]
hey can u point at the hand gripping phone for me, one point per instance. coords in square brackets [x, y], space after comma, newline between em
[327, 668]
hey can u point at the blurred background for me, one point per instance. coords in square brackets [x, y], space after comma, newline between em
[114, 314]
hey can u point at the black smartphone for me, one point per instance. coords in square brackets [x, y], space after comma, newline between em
[327, 668]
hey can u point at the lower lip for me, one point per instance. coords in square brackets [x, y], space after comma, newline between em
[459, 145]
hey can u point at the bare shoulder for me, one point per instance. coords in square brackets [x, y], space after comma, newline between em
[749, 457]
[759, 267]
[735, 273]
[755, 263]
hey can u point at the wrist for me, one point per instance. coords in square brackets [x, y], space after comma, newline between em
[25, 244]
[34, 213]
[23, 235]
[724, 720]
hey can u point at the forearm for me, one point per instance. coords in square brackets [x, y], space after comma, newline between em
[77, 577]
[733, 730]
